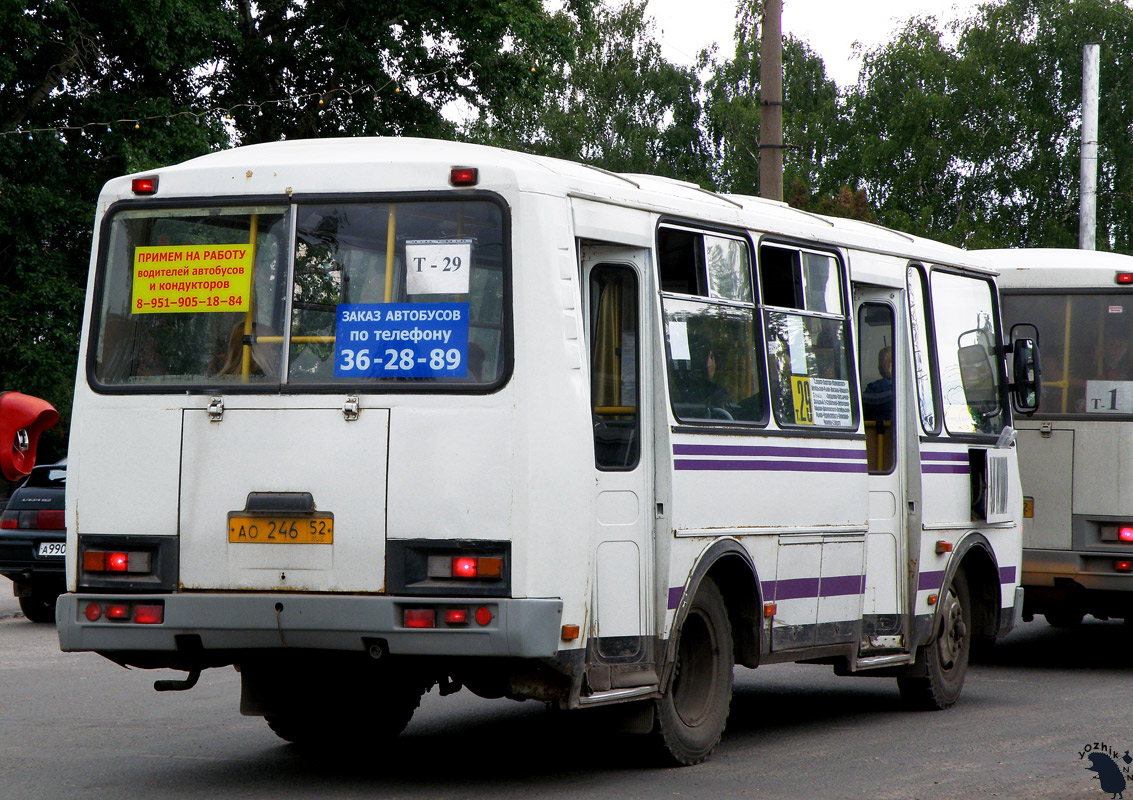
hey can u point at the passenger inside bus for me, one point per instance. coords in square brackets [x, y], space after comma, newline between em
[877, 399]
[264, 355]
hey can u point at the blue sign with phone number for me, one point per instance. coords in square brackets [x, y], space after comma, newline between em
[401, 340]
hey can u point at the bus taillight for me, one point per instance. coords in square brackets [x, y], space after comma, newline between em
[1125, 534]
[1122, 565]
[116, 561]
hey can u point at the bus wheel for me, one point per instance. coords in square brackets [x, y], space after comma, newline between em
[945, 658]
[692, 713]
[381, 719]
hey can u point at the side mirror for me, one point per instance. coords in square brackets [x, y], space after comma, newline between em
[1026, 387]
[977, 374]
[22, 419]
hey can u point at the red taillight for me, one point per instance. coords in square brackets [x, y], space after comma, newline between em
[144, 185]
[10, 520]
[1122, 565]
[133, 562]
[419, 618]
[1125, 534]
[483, 615]
[464, 567]
[93, 611]
[456, 616]
[118, 611]
[49, 520]
[149, 614]
[464, 176]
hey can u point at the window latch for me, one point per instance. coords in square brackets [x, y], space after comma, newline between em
[216, 409]
[350, 408]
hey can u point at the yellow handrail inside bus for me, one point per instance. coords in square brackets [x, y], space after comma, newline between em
[246, 355]
[391, 242]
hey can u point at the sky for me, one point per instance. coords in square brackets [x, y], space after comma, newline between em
[830, 26]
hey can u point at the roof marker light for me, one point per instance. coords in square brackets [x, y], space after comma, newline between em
[464, 176]
[144, 185]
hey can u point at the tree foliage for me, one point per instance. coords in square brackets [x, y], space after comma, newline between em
[611, 101]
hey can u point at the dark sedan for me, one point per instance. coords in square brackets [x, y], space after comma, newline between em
[33, 541]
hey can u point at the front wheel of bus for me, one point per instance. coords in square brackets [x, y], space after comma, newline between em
[692, 713]
[945, 658]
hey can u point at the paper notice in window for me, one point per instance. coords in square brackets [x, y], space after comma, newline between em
[678, 341]
[437, 266]
[831, 401]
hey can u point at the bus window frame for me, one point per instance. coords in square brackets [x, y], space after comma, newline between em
[848, 328]
[730, 427]
[290, 202]
[942, 431]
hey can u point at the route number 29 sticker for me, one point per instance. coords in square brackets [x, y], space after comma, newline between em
[437, 266]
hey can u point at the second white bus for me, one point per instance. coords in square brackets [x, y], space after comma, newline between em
[1075, 453]
[366, 417]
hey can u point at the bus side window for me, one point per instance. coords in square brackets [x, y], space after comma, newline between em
[710, 326]
[967, 342]
[875, 332]
[806, 329]
[922, 354]
[613, 361]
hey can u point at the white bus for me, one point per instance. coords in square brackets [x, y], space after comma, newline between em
[363, 417]
[1078, 526]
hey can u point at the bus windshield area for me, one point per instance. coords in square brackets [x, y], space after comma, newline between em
[1087, 358]
[362, 293]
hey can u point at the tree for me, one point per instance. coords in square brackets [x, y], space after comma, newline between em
[611, 101]
[815, 131]
[63, 67]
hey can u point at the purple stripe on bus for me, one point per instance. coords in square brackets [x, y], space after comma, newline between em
[796, 588]
[753, 450]
[927, 456]
[945, 469]
[675, 595]
[729, 464]
[930, 580]
[1007, 574]
[842, 585]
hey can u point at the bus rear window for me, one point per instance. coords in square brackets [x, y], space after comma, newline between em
[1087, 360]
[366, 293]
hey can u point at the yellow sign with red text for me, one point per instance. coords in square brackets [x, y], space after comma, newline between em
[192, 278]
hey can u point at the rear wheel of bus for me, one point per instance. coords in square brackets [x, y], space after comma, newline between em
[944, 660]
[692, 714]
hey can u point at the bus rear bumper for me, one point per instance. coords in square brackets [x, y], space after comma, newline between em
[216, 623]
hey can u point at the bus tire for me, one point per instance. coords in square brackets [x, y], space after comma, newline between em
[692, 714]
[379, 720]
[945, 658]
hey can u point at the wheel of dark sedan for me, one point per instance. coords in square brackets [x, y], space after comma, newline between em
[39, 607]
[945, 658]
[692, 714]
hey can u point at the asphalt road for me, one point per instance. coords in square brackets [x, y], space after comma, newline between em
[77, 726]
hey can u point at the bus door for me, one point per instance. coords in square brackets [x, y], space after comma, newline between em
[621, 621]
[885, 385]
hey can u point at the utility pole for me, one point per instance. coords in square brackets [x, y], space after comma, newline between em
[771, 102]
[1088, 181]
